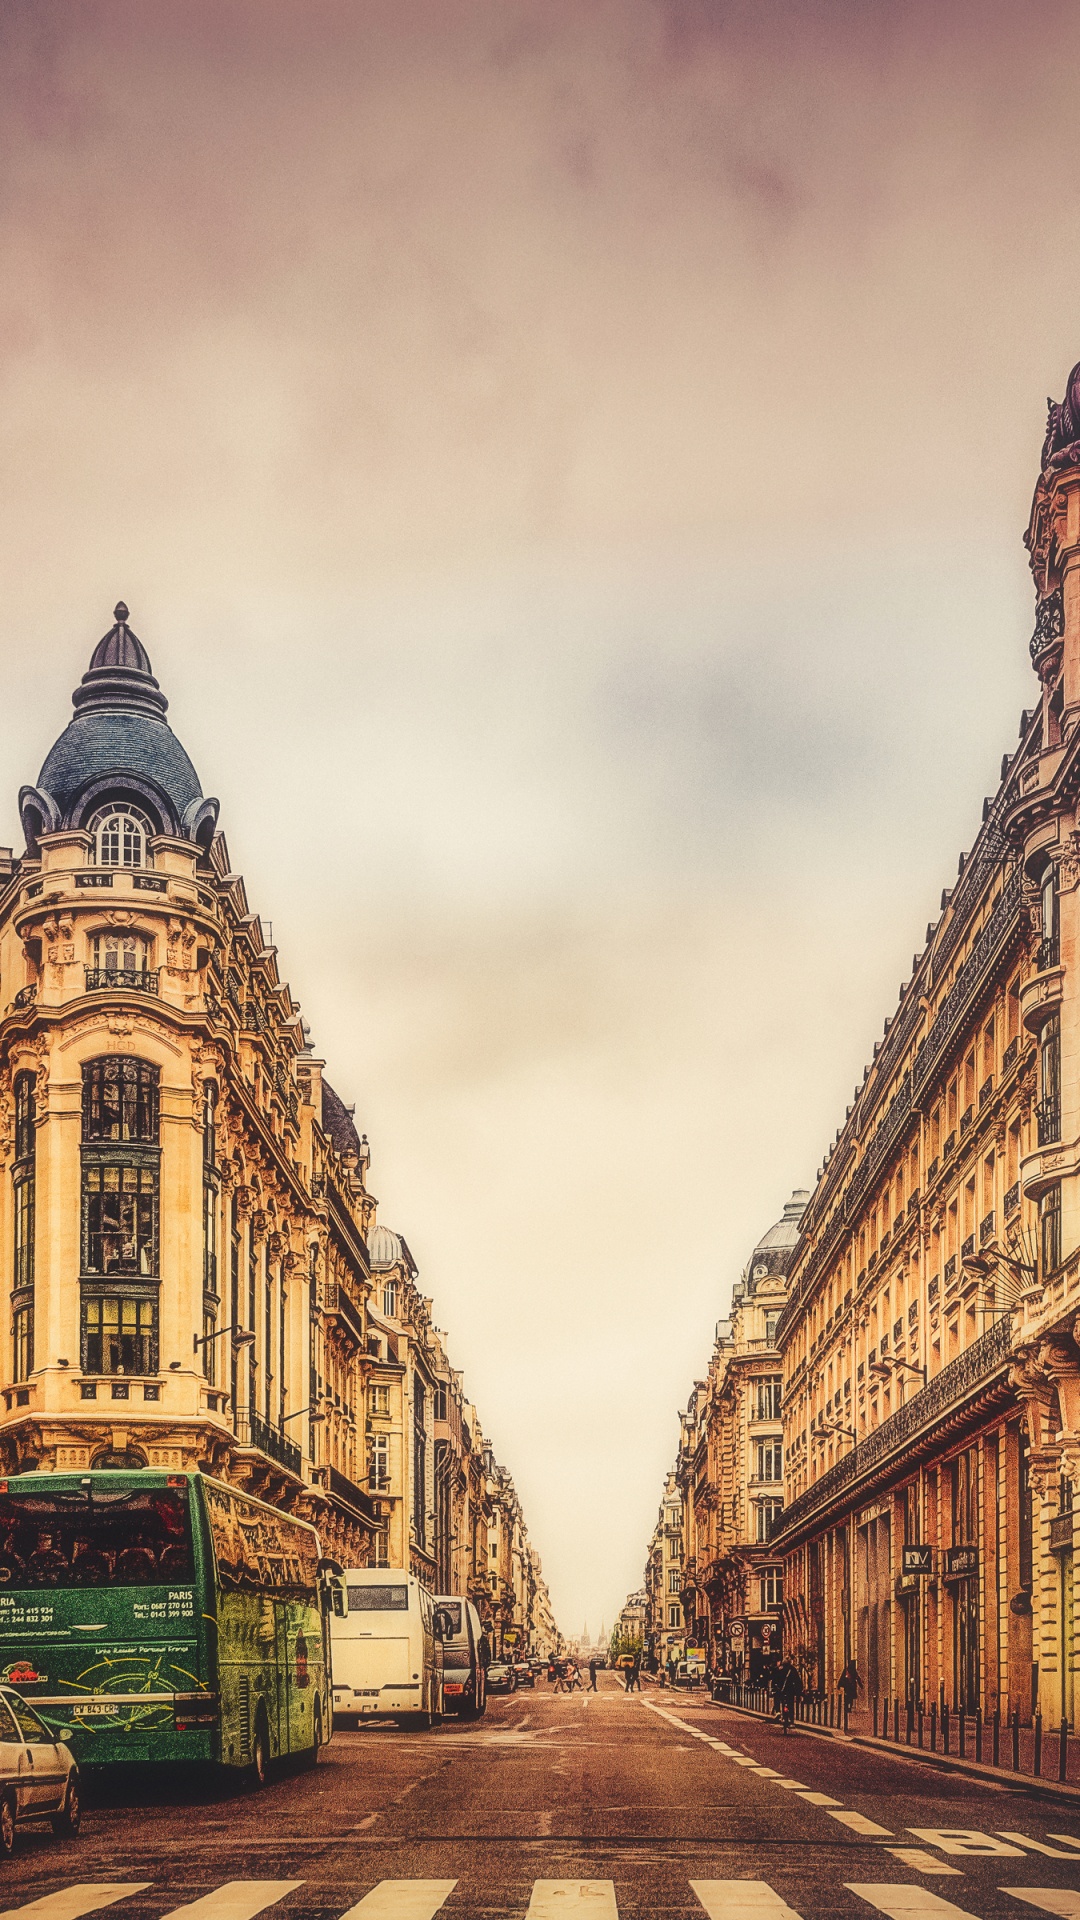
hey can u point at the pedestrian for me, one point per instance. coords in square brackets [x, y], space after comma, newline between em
[635, 1674]
[575, 1678]
[849, 1684]
[627, 1675]
[592, 1676]
[560, 1677]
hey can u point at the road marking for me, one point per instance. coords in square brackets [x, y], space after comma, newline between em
[924, 1862]
[1061, 1900]
[236, 1900]
[71, 1902]
[965, 1840]
[1066, 1840]
[859, 1823]
[819, 1799]
[1040, 1846]
[742, 1900]
[402, 1900]
[745, 1760]
[899, 1901]
[553, 1898]
[769, 1773]
[792, 1786]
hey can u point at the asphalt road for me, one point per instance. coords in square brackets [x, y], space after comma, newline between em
[598, 1806]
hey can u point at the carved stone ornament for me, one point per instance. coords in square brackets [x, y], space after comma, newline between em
[276, 1245]
[245, 1200]
[1068, 863]
[260, 1223]
[1046, 641]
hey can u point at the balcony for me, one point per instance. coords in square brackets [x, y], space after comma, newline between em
[898, 1439]
[948, 1147]
[965, 1120]
[968, 1247]
[253, 1431]
[1048, 1122]
[25, 998]
[1009, 1055]
[1048, 954]
[114, 979]
[985, 1091]
[986, 1229]
[343, 1488]
[1012, 1198]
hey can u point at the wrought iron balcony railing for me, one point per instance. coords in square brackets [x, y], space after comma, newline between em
[253, 1431]
[135, 979]
[945, 1392]
[1048, 955]
[1048, 1121]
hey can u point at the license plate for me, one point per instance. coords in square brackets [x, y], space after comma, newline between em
[94, 1710]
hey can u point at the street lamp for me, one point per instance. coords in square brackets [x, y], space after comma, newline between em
[242, 1337]
[889, 1364]
[299, 1414]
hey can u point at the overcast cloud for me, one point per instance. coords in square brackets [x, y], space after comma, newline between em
[567, 461]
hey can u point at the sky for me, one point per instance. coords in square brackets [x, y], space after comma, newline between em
[568, 461]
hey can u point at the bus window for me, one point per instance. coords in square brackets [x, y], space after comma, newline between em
[99, 1538]
[378, 1599]
[259, 1550]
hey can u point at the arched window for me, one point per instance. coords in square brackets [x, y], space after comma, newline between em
[119, 958]
[120, 837]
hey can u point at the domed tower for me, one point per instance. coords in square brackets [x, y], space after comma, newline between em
[182, 1198]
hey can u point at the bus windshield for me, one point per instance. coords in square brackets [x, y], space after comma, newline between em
[123, 1538]
[379, 1599]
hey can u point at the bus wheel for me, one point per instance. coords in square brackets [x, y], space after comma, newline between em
[260, 1754]
[70, 1815]
[7, 1827]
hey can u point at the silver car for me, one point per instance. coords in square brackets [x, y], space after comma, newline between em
[39, 1775]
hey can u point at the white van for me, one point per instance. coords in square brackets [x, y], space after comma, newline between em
[383, 1649]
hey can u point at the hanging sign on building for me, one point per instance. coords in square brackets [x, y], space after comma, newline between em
[961, 1562]
[916, 1560]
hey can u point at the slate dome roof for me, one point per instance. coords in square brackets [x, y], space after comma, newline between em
[118, 745]
[786, 1230]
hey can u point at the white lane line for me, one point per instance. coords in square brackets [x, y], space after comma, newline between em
[71, 1902]
[922, 1861]
[746, 1760]
[819, 1800]
[1040, 1846]
[792, 1786]
[236, 1900]
[402, 1900]
[1064, 1901]
[899, 1901]
[553, 1898]
[966, 1840]
[859, 1823]
[742, 1900]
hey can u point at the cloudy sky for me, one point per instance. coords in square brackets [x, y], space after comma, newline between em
[568, 461]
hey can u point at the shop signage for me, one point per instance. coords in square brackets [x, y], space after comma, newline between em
[961, 1562]
[917, 1559]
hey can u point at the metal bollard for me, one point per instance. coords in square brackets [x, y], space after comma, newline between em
[962, 1734]
[997, 1736]
[1063, 1750]
[910, 1727]
[845, 1712]
[1016, 1739]
[896, 1721]
[873, 1708]
[920, 1722]
[944, 1726]
[1037, 1764]
[978, 1733]
[933, 1726]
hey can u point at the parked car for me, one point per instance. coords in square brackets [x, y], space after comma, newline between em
[524, 1675]
[600, 1661]
[465, 1656]
[39, 1775]
[624, 1660]
[501, 1677]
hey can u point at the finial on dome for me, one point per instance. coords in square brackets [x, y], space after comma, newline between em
[120, 613]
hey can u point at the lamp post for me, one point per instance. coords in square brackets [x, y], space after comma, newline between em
[242, 1337]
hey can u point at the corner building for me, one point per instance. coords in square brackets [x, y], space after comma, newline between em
[931, 1371]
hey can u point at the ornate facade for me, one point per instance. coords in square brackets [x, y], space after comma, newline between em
[185, 1219]
[931, 1368]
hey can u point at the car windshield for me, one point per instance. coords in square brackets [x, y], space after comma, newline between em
[95, 1538]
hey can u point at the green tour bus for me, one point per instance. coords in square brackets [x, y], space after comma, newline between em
[156, 1616]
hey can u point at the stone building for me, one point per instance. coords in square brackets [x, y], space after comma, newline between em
[930, 1362]
[664, 1625]
[730, 1470]
[185, 1219]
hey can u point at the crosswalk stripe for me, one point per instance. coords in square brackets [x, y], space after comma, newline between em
[1067, 1840]
[236, 1900]
[898, 1901]
[71, 1902]
[551, 1899]
[742, 1900]
[1064, 1901]
[402, 1900]
[924, 1862]
[859, 1823]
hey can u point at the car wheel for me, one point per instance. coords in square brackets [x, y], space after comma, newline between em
[260, 1754]
[69, 1819]
[7, 1827]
